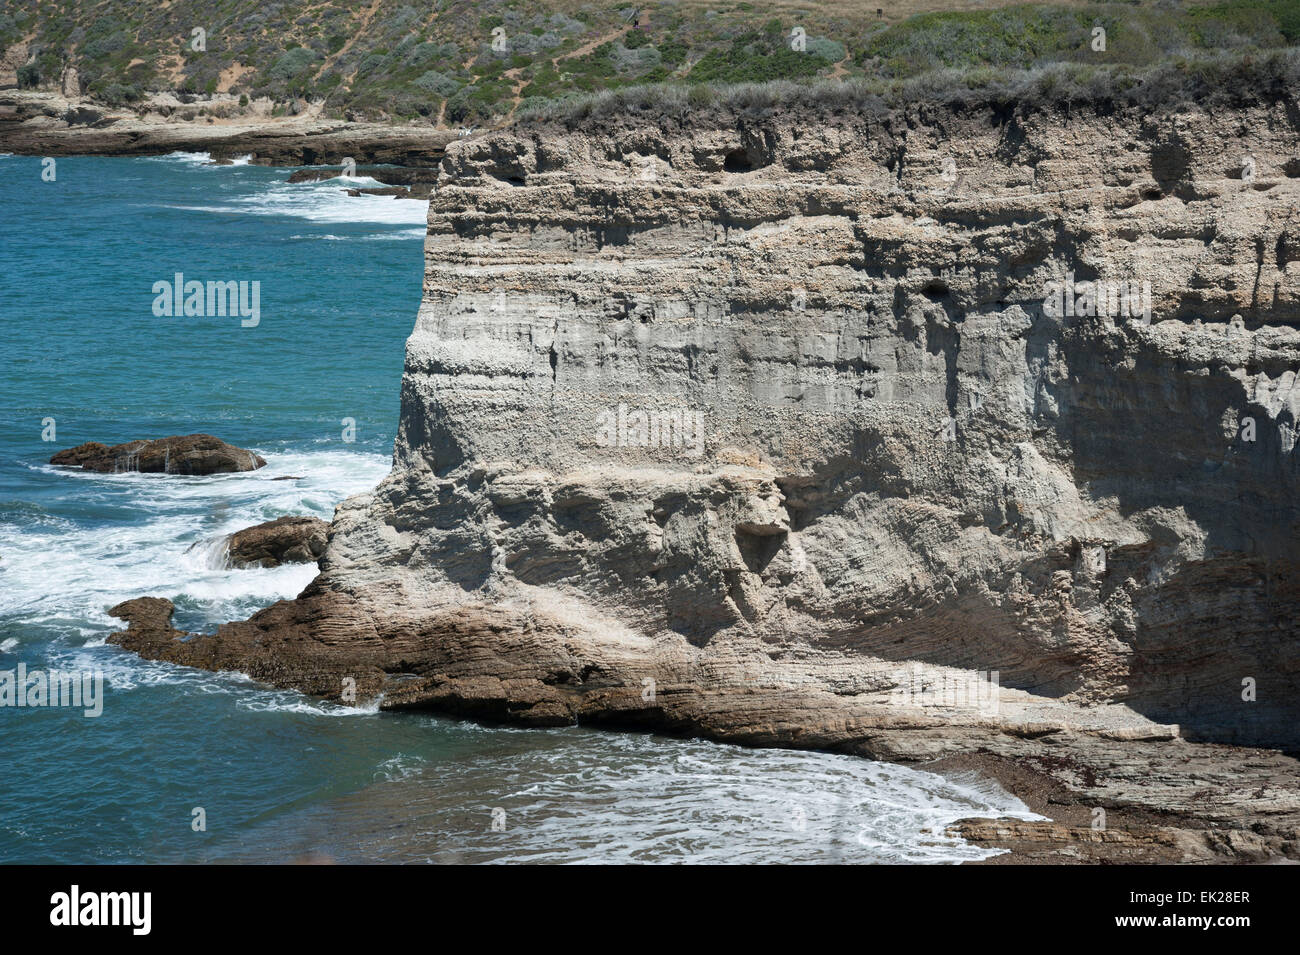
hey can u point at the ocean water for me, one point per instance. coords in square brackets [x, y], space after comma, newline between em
[313, 387]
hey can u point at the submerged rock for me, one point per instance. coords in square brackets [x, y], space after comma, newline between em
[183, 454]
[285, 540]
[397, 192]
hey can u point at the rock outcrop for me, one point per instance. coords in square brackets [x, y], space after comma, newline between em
[184, 454]
[776, 429]
[285, 540]
[47, 124]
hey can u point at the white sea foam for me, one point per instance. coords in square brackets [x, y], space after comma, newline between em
[395, 235]
[192, 159]
[586, 796]
[328, 201]
[60, 572]
[401, 766]
[709, 802]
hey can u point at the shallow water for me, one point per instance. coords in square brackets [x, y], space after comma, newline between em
[279, 776]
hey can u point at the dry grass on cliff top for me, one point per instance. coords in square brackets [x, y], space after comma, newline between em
[1223, 80]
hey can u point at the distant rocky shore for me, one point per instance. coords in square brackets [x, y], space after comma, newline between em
[48, 124]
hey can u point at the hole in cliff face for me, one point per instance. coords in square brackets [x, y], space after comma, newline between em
[757, 548]
[665, 507]
[935, 289]
[1152, 194]
[1171, 163]
[1291, 168]
[738, 160]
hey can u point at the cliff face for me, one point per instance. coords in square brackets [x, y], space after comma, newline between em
[769, 428]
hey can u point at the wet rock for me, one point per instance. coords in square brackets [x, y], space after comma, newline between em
[286, 540]
[182, 454]
[397, 192]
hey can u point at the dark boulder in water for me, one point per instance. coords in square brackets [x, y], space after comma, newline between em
[286, 540]
[183, 454]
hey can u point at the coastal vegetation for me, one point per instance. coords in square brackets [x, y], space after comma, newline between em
[454, 62]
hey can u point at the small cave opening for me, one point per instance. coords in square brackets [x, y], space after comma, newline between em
[758, 548]
[935, 289]
[738, 160]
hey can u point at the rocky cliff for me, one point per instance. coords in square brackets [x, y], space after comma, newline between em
[927, 435]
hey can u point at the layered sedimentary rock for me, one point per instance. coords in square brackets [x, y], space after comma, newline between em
[780, 429]
[285, 540]
[180, 454]
[47, 124]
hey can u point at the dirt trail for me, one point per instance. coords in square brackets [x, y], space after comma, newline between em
[513, 74]
[366, 17]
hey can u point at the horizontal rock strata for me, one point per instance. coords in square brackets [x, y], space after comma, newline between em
[45, 124]
[285, 540]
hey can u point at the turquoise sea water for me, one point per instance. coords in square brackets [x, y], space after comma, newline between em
[278, 776]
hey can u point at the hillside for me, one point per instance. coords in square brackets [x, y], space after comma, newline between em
[455, 62]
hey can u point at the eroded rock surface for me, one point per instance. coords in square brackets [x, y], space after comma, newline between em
[184, 454]
[765, 428]
[285, 540]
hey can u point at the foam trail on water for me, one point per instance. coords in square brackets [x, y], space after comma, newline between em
[328, 201]
[190, 158]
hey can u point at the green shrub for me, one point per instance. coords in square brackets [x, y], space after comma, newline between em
[293, 63]
[440, 84]
[118, 94]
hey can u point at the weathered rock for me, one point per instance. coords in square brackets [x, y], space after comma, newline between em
[186, 454]
[397, 192]
[285, 540]
[39, 127]
[83, 116]
[780, 442]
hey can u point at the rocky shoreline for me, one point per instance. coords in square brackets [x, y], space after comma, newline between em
[1163, 799]
[759, 427]
[47, 124]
